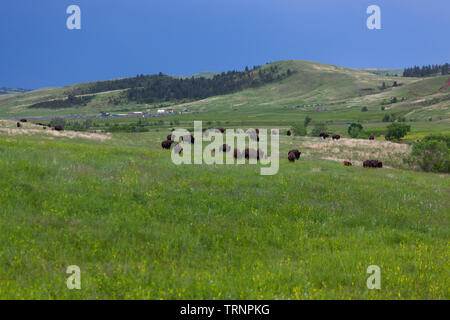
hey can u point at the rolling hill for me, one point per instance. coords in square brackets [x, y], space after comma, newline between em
[330, 92]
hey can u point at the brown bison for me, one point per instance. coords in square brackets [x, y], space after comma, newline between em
[347, 163]
[323, 135]
[250, 153]
[23, 120]
[189, 138]
[296, 153]
[291, 157]
[336, 137]
[372, 164]
[59, 128]
[178, 148]
[166, 144]
[289, 133]
[254, 137]
[18, 125]
[226, 148]
[372, 137]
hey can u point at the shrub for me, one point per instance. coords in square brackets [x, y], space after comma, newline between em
[307, 121]
[319, 127]
[439, 137]
[396, 131]
[355, 129]
[431, 155]
[298, 129]
[364, 109]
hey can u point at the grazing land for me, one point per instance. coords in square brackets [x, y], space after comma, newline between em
[141, 227]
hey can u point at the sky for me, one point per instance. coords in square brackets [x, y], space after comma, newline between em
[123, 38]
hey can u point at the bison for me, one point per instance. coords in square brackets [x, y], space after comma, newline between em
[166, 144]
[23, 120]
[189, 138]
[226, 148]
[289, 133]
[254, 137]
[250, 153]
[323, 135]
[18, 125]
[372, 137]
[336, 137]
[347, 163]
[296, 153]
[59, 128]
[291, 156]
[372, 164]
[171, 137]
[178, 148]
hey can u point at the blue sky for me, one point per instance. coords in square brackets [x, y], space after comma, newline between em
[121, 38]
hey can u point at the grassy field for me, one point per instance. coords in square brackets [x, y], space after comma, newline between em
[140, 227]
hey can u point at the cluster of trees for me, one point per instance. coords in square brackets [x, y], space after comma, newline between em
[70, 102]
[393, 117]
[160, 87]
[432, 154]
[165, 88]
[426, 71]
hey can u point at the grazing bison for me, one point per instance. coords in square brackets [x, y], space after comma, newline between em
[372, 164]
[371, 137]
[59, 128]
[166, 144]
[23, 120]
[18, 125]
[291, 157]
[347, 163]
[250, 153]
[178, 148]
[189, 138]
[289, 133]
[254, 137]
[336, 137]
[226, 148]
[296, 153]
[324, 135]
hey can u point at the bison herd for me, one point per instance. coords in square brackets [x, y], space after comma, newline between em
[43, 125]
[250, 153]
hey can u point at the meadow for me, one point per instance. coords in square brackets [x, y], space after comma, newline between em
[140, 227]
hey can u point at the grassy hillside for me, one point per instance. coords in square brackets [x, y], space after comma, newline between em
[141, 227]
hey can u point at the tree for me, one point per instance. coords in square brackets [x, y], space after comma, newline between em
[298, 129]
[355, 129]
[364, 109]
[431, 154]
[319, 127]
[307, 121]
[396, 131]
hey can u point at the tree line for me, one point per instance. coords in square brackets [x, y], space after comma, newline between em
[161, 87]
[426, 71]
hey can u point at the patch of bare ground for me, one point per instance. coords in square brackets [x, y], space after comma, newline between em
[31, 129]
[357, 151]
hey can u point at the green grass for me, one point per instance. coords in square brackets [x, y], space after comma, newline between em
[142, 228]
